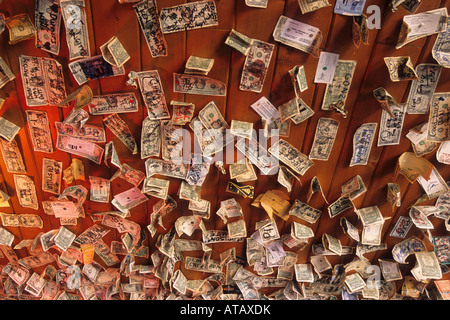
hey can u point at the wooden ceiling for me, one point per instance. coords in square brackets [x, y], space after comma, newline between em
[107, 18]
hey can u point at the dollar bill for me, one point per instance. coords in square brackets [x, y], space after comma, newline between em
[198, 65]
[121, 131]
[182, 112]
[402, 250]
[20, 28]
[80, 98]
[416, 26]
[239, 41]
[400, 68]
[429, 265]
[21, 220]
[207, 140]
[147, 14]
[77, 35]
[102, 250]
[256, 66]
[438, 126]
[422, 89]
[410, 5]
[257, 155]
[418, 137]
[370, 216]
[92, 68]
[155, 187]
[86, 149]
[288, 109]
[26, 191]
[332, 244]
[113, 103]
[342, 204]
[87, 132]
[298, 78]
[76, 118]
[385, 100]
[244, 190]
[362, 143]
[439, 51]
[129, 199]
[99, 189]
[43, 81]
[171, 141]
[393, 195]
[256, 3]
[215, 124]
[435, 185]
[150, 138]
[412, 167]
[354, 187]
[443, 153]
[305, 212]
[349, 229]
[360, 32]
[298, 35]
[315, 187]
[305, 112]
[241, 129]
[153, 94]
[193, 15]
[39, 127]
[4, 200]
[74, 172]
[304, 272]
[6, 74]
[325, 135]
[290, 156]
[336, 92]
[12, 156]
[354, 282]
[47, 17]
[419, 216]
[195, 84]
[312, 5]
[391, 128]
[92, 234]
[114, 52]
[166, 168]
[51, 175]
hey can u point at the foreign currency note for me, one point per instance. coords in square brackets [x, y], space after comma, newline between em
[193, 15]
[256, 66]
[77, 35]
[422, 89]
[326, 131]
[147, 14]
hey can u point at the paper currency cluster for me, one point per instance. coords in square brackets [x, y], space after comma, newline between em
[82, 266]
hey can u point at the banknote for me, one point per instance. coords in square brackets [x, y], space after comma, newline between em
[123, 226]
[439, 51]
[47, 17]
[86, 149]
[239, 188]
[443, 153]
[26, 191]
[92, 68]
[4, 200]
[429, 265]
[193, 15]
[87, 132]
[64, 238]
[166, 168]
[326, 131]
[256, 3]
[276, 128]
[147, 14]
[6, 74]
[312, 5]
[393, 195]
[196, 84]
[285, 177]
[337, 91]
[304, 272]
[155, 187]
[171, 142]
[129, 199]
[198, 65]
[349, 229]
[74, 172]
[100, 189]
[391, 128]
[79, 98]
[422, 89]
[305, 212]
[198, 171]
[17, 273]
[43, 81]
[332, 244]
[354, 187]
[419, 218]
[385, 100]
[370, 216]
[215, 124]
[237, 229]
[182, 112]
[239, 41]
[290, 156]
[435, 185]
[288, 109]
[402, 250]
[416, 26]
[150, 138]
[39, 127]
[20, 28]
[257, 155]
[121, 131]
[362, 143]
[298, 78]
[412, 167]
[76, 118]
[354, 282]
[349, 7]
[153, 94]
[114, 103]
[418, 137]
[256, 66]
[92, 234]
[114, 52]
[51, 175]
[12, 156]
[315, 187]
[207, 140]
[77, 35]
[410, 5]
[438, 125]
[360, 31]
[241, 129]
[400, 68]
[298, 35]
[342, 204]
[305, 112]
[21, 220]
